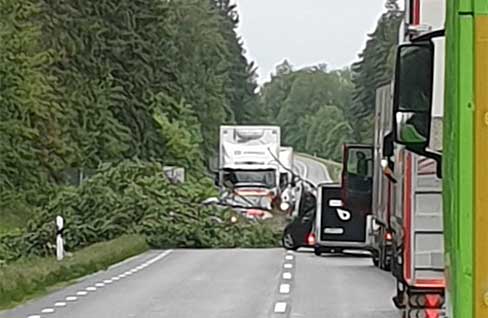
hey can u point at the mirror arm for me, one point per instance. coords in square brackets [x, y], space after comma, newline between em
[438, 159]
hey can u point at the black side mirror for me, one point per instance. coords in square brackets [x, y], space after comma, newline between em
[412, 102]
[413, 96]
[388, 145]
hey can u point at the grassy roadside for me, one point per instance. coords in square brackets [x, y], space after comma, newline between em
[26, 279]
[334, 167]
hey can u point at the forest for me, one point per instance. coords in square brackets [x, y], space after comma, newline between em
[123, 87]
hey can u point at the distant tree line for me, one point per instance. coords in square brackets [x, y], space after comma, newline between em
[319, 110]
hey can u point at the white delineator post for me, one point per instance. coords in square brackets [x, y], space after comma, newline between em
[59, 238]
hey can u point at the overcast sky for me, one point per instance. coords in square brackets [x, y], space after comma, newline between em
[306, 32]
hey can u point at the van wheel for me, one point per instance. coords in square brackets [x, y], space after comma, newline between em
[317, 251]
[288, 242]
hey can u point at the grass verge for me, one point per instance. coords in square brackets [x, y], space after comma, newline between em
[29, 278]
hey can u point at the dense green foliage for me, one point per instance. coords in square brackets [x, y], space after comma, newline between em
[124, 86]
[87, 82]
[309, 105]
[27, 278]
[120, 86]
[135, 198]
[374, 69]
[319, 110]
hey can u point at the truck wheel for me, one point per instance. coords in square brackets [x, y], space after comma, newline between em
[376, 261]
[387, 260]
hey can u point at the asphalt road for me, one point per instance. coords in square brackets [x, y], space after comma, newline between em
[225, 283]
[237, 283]
[312, 170]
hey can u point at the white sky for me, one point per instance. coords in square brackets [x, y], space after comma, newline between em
[306, 32]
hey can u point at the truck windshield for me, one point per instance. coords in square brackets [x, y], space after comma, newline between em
[252, 201]
[265, 178]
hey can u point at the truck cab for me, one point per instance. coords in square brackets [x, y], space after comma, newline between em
[248, 157]
[417, 218]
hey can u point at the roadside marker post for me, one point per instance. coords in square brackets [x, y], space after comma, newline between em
[59, 238]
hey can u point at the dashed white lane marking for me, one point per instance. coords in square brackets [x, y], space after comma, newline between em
[288, 265]
[284, 288]
[289, 257]
[47, 311]
[289, 252]
[280, 307]
[107, 281]
[286, 275]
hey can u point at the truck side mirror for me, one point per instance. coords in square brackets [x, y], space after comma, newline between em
[413, 97]
[412, 102]
[388, 145]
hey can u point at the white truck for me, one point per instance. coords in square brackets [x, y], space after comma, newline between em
[248, 157]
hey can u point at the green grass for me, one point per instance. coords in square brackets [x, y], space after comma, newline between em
[29, 278]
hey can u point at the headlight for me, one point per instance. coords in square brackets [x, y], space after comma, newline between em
[284, 206]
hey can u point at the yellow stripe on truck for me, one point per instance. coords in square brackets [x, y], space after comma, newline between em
[481, 168]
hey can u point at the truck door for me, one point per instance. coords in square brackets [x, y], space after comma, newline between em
[357, 178]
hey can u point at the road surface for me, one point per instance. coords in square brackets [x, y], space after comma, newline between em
[225, 283]
[237, 283]
[312, 170]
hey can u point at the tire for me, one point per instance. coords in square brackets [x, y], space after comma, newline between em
[288, 242]
[376, 261]
[317, 251]
[386, 261]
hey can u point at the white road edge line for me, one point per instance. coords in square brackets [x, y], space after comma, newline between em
[280, 307]
[47, 311]
[107, 281]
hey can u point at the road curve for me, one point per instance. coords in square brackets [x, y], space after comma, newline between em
[312, 170]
